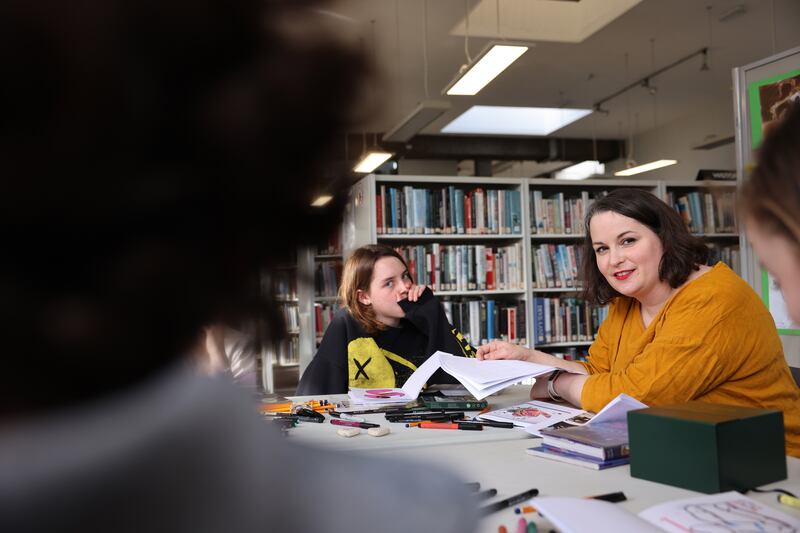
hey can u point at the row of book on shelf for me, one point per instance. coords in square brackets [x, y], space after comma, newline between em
[561, 319]
[558, 214]
[703, 212]
[285, 352]
[479, 320]
[466, 267]
[706, 212]
[484, 320]
[291, 316]
[557, 265]
[327, 275]
[447, 209]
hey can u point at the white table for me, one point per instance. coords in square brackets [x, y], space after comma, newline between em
[506, 467]
[496, 458]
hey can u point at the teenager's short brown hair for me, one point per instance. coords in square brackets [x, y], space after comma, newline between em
[683, 252]
[771, 195]
[357, 276]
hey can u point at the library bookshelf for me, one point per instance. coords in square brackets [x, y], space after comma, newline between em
[544, 249]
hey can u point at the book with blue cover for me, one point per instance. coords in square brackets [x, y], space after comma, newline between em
[578, 459]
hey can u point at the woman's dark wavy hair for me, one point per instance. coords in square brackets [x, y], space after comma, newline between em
[683, 252]
[157, 157]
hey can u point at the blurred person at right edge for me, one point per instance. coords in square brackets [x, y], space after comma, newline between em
[157, 157]
[769, 207]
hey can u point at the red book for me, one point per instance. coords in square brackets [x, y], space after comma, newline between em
[379, 214]
[468, 213]
[489, 269]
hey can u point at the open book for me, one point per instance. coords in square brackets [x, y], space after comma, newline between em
[730, 512]
[480, 378]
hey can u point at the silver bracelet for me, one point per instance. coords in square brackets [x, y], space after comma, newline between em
[551, 386]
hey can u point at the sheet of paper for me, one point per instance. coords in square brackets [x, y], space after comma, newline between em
[576, 515]
[617, 410]
[489, 372]
[480, 378]
[730, 512]
[417, 380]
[379, 396]
[533, 415]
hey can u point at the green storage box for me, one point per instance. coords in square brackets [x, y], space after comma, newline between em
[707, 447]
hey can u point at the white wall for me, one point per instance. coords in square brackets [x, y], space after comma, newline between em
[676, 139]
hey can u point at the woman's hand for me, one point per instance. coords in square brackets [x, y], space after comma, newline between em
[505, 350]
[415, 291]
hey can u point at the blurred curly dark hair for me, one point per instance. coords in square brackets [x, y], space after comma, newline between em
[157, 156]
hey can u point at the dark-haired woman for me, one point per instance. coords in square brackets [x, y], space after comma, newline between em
[676, 330]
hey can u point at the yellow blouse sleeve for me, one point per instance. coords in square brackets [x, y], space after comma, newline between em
[679, 364]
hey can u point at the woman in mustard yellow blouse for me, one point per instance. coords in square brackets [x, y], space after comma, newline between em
[676, 330]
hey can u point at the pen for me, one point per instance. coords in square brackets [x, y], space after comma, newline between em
[486, 494]
[495, 424]
[353, 424]
[453, 425]
[346, 416]
[307, 415]
[508, 502]
[612, 497]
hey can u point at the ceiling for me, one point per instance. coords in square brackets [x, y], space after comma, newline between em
[652, 33]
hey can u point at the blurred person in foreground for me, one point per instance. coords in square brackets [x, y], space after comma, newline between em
[154, 154]
[770, 207]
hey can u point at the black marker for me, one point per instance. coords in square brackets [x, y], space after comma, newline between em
[508, 502]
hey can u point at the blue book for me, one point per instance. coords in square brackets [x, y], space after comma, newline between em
[393, 198]
[557, 454]
[538, 320]
[516, 212]
[459, 209]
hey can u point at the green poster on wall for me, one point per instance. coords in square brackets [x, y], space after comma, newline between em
[768, 99]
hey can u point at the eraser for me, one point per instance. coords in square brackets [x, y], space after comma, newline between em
[348, 432]
[378, 432]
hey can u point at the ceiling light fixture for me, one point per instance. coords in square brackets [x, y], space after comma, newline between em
[661, 163]
[321, 200]
[474, 76]
[581, 171]
[370, 161]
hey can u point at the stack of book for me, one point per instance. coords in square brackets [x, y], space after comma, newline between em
[594, 446]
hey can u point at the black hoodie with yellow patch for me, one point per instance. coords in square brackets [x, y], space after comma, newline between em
[349, 357]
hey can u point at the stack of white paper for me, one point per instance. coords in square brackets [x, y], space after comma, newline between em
[481, 378]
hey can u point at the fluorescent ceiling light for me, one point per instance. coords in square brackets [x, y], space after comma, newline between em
[370, 161]
[581, 171]
[425, 113]
[501, 120]
[493, 60]
[646, 167]
[321, 200]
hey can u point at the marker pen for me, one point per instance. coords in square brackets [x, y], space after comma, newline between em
[471, 426]
[353, 424]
